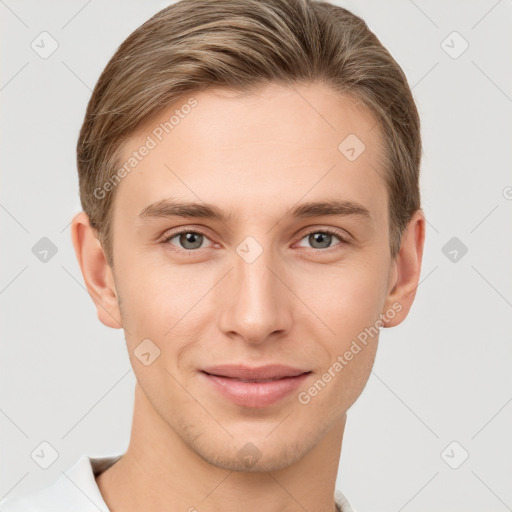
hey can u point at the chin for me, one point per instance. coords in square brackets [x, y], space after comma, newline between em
[253, 455]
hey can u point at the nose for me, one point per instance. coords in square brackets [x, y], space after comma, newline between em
[257, 305]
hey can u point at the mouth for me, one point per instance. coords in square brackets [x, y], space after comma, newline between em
[251, 380]
[254, 387]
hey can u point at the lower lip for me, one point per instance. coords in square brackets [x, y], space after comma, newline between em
[255, 394]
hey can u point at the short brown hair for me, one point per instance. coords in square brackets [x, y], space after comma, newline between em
[193, 45]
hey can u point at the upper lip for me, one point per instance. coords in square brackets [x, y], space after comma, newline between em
[270, 371]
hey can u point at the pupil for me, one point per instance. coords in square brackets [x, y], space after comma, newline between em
[191, 240]
[320, 238]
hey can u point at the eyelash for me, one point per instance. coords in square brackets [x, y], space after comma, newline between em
[167, 239]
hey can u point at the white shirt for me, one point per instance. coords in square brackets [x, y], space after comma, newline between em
[76, 490]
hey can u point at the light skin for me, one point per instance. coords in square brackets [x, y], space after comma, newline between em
[302, 301]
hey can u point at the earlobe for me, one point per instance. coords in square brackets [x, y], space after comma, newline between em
[407, 271]
[96, 272]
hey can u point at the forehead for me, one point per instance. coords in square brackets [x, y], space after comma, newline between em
[253, 152]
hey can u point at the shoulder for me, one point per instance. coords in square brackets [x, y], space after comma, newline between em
[75, 489]
[342, 503]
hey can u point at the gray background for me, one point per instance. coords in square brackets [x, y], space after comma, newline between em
[442, 376]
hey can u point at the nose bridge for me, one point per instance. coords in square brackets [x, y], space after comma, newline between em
[257, 305]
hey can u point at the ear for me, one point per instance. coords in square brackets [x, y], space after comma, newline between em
[405, 273]
[97, 274]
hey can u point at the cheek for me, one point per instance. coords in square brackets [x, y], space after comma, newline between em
[165, 304]
[350, 307]
[146, 298]
[346, 299]
[351, 375]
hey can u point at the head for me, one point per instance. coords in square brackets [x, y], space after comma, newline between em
[295, 134]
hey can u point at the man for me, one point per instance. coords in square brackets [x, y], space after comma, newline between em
[249, 179]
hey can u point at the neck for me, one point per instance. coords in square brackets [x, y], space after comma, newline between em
[160, 472]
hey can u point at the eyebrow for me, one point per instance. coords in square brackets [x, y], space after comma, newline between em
[170, 208]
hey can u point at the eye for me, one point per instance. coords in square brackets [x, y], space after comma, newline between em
[322, 239]
[187, 240]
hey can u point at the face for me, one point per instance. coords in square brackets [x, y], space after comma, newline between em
[254, 274]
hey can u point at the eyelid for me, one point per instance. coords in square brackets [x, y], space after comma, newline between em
[331, 231]
[168, 235]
